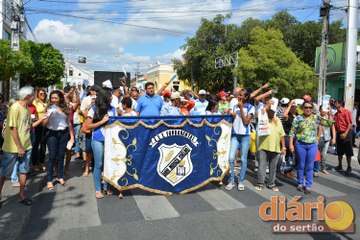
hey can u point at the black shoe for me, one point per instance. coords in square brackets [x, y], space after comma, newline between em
[300, 188]
[348, 170]
[307, 191]
[339, 168]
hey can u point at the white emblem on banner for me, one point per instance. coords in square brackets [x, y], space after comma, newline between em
[174, 164]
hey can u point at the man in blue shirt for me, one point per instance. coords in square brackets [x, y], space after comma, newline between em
[150, 103]
[200, 104]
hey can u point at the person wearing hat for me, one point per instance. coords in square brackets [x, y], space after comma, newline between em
[172, 109]
[281, 108]
[223, 104]
[200, 104]
[269, 147]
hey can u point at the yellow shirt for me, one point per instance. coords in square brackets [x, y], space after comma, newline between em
[19, 118]
[271, 142]
[40, 107]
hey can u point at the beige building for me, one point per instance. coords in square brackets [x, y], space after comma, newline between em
[161, 73]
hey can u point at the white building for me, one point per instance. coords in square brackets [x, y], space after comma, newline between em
[75, 75]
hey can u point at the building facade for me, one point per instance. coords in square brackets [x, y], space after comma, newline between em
[159, 74]
[335, 71]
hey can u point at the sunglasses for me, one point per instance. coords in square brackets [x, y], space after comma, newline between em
[308, 107]
[41, 93]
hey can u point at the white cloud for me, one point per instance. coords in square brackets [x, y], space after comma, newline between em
[115, 27]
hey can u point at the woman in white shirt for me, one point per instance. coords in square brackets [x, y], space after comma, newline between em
[59, 134]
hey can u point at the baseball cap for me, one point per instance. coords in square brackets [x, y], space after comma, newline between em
[202, 92]
[274, 105]
[107, 84]
[175, 95]
[284, 100]
[306, 97]
[222, 94]
[166, 93]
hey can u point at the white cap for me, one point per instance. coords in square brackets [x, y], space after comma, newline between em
[284, 100]
[202, 92]
[107, 84]
[175, 95]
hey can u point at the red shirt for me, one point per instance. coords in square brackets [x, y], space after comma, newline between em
[342, 119]
[33, 114]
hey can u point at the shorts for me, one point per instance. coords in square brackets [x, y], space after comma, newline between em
[9, 160]
[88, 140]
[344, 146]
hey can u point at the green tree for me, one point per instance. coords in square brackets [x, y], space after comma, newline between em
[12, 62]
[267, 59]
[47, 61]
[201, 51]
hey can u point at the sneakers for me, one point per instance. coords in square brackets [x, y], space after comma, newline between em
[348, 170]
[230, 186]
[338, 168]
[241, 187]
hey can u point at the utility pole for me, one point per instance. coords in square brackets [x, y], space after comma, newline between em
[351, 47]
[231, 59]
[324, 13]
[17, 27]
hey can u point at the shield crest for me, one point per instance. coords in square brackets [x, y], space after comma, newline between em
[174, 164]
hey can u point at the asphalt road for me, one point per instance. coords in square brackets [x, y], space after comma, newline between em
[72, 212]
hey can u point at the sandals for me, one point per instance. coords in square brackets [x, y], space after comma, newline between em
[300, 188]
[62, 181]
[99, 195]
[50, 186]
[108, 192]
[259, 187]
[26, 201]
[307, 191]
[275, 189]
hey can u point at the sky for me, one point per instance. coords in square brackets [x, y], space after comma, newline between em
[113, 34]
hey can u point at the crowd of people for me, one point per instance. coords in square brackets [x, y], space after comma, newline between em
[69, 121]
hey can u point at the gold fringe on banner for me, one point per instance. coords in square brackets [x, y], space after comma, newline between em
[161, 122]
[120, 188]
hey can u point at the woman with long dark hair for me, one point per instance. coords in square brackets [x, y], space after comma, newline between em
[96, 120]
[59, 132]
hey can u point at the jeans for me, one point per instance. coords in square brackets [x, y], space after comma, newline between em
[265, 158]
[56, 142]
[305, 154]
[38, 155]
[77, 128]
[323, 147]
[98, 151]
[242, 141]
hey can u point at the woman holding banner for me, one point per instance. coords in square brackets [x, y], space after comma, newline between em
[96, 120]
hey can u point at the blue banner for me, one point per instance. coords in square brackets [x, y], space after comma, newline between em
[166, 155]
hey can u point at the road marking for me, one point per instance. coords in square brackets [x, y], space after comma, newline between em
[266, 193]
[220, 200]
[343, 180]
[325, 191]
[155, 207]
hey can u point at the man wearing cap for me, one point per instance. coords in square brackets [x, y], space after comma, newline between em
[281, 109]
[200, 104]
[223, 104]
[150, 103]
[172, 108]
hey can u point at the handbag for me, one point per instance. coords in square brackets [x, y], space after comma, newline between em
[263, 124]
[286, 163]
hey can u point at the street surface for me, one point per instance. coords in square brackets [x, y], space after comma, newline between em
[72, 212]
